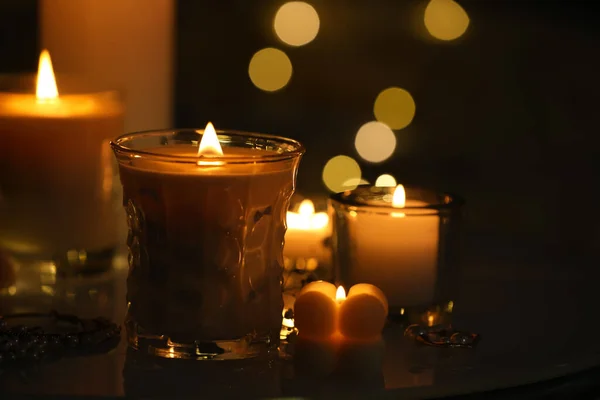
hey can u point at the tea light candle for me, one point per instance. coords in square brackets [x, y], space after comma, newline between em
[361, 315]
[306, 234]
[56, 169]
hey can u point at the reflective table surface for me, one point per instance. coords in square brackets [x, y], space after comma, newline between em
[536, 313]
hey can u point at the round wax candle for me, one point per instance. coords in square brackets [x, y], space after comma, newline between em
[315, 310]
[339, 331]
[363, 314]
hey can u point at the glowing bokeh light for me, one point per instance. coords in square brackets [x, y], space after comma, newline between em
[385, 180]
[270, 69]
[375, 141]
[339, 171]
[394, 107]
[296, 23]
[445, 19]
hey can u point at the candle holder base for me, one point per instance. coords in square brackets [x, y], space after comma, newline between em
[249, 346]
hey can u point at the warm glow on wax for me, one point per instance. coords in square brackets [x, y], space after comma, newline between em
[209, 144]
[46, 83]
[340, 294]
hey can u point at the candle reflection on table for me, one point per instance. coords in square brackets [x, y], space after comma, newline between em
[307, 255]
[150, 377]
[306, 234]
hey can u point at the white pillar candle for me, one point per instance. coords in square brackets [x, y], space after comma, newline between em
[118, 44]
[56, 170]
[306, 234]
[396, 251]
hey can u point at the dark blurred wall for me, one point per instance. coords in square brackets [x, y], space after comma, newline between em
[18, 36]
[506, 114]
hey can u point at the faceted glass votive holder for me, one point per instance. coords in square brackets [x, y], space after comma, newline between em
[409, 252]
[205, 241]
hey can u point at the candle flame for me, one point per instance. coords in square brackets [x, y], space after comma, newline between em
[340, 294]
[46, 83]
[307, 208]
[209, 144]
[399, 198]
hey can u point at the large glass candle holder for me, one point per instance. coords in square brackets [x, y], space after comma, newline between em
[59, 192]
[205, 239]
[403, 240]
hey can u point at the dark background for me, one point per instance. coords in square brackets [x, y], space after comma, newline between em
[507, 115]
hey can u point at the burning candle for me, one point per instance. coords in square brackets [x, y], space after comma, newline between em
[306, 234]
[390, 241]
[206, 219]
[321, 311]
[57, 197]
[334, 328]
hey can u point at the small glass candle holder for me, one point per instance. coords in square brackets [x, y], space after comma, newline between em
[403, 240]
[205, 241]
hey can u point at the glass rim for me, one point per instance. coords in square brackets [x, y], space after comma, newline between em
[450, 201]
[118, 146]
